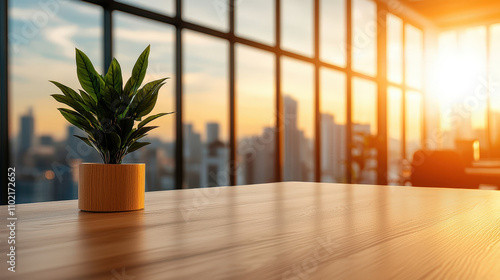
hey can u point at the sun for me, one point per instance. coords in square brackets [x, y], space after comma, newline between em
[458, 73]
[461, 65]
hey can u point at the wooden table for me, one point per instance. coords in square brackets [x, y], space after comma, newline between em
[271, 231]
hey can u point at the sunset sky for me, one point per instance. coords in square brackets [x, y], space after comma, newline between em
[47, 53]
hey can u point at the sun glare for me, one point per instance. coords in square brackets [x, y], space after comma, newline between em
[458, 73]
[461, 70]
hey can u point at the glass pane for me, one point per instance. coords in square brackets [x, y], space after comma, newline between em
[364, 37]
[333, 122]
[206, 110]
[297, 26]
[462, 84]
[333, 31]
[450, 73]
[494, 77]
[131, 36]
[414, 119]
[46, 154]
[414, 56]
[395, 134]
[364, 121]
[298, 108]
[259, 28]
[394, 49]
[255, 119]
[473, 50]
[213, 14]
[157, 6]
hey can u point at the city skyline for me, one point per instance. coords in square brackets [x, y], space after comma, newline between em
[46, 163]
[262, 79]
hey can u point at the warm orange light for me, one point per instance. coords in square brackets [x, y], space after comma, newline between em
[461, 73]
[475, 146]
[49, 175]
[458, 71]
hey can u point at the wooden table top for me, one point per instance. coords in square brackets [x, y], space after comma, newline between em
[272, 231]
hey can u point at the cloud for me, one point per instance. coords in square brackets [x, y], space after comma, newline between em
[146, 36]
[62, 37]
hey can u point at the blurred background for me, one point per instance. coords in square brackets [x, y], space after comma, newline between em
[342, 91]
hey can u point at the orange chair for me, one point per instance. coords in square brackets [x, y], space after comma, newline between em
[440, 169]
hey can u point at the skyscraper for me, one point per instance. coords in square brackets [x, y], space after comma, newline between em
[192, 156]
[26, 133]
[215, 158]
[292, 160]
[327, 147]
[257, 158]
[212, 132]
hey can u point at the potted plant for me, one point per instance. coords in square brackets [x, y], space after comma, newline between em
[107, 112]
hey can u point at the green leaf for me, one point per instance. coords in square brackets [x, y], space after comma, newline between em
[146, 106]
[114, 76]
[148, 88]
[89, 79]
[126, 126]
[137, 133]
[136, 145]
[68, 91]
[141, 131]
[75, 119]
[113, 141]
[151, 118]
[68, 101]
[145, 101]
[89, 101]
[112, 97]
[96, 136]
[138, 73]
[81, 108]
[85, 140]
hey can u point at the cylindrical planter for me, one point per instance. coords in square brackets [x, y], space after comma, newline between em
[111, 187]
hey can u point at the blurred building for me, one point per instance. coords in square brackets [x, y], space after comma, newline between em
[26, 134]
[215, 159]
[292, 170]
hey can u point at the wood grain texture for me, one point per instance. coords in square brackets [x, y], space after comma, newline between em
[272, 231]
[111, 187]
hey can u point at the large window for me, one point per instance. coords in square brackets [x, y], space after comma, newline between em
[333, 31]
[494, 93]
[209, 13]
[364, 131]
[159, 156]
[468, 91]
[394, 49]
[255, 116]
[297, 35]
[364, 37]
[206, 153]
[413, 122]
[333, 126]
[405, 98]
[257, 98]
[298, 112]
[260, 28]
[45, 153]
[160, 6]
[395, 135]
